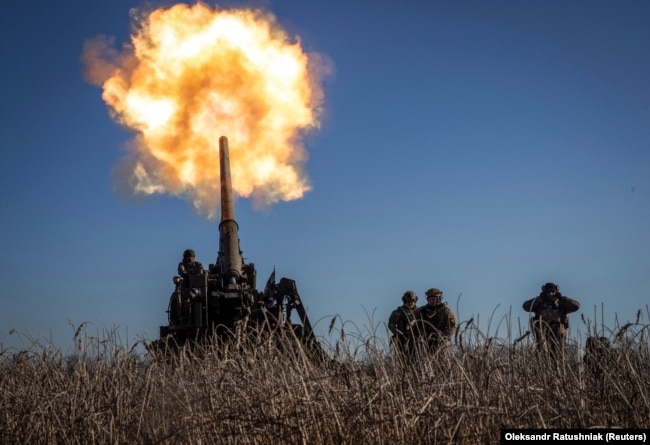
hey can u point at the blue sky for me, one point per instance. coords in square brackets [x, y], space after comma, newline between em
[483, 148]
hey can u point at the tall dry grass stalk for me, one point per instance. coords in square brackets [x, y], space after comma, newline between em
[256, 394]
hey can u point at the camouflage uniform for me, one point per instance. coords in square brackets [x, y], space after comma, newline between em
[189, 266]
[400, 323]
[181, 299]
[550, 323]
[436, 322]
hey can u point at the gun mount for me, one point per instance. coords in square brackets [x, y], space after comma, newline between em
[223, 301]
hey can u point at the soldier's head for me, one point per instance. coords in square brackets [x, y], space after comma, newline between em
[188, 255]
[597, 345]
[409, 298]
[550, 289]
[598, 355]
[434, 296]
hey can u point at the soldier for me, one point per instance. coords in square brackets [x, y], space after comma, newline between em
[400, 323]
[437, 322]
[180, 302]
[189, 266]
[551, 321]
[599, 357]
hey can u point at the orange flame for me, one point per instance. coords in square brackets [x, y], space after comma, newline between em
[192, 74]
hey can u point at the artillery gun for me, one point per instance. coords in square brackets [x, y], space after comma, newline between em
[223, 302]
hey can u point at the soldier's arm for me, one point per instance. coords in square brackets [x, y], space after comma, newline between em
[529, 305]
[570, 305]
[451, 323]
[392, 323]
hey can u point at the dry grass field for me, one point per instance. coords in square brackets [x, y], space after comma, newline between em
[363, 394]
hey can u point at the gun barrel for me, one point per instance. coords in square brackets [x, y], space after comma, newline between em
[230, 258]
[227, 205]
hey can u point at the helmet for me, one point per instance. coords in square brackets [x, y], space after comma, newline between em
[433, 292]
[409, 295]
[189, 253]
[550, 287]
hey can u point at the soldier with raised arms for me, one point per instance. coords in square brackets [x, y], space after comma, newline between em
[551, 321]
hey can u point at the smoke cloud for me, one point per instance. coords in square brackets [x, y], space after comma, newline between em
[191, 74]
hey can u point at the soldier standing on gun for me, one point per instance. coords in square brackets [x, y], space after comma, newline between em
[189, 265]
[436, 322]
[550, 322]
[400, 323]
[179, 306]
